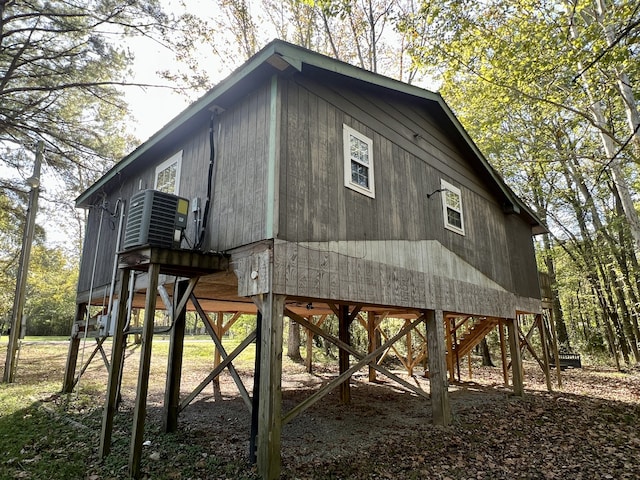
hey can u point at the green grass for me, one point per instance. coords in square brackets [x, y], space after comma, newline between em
[33, 338]
[33, 444]
[48, 436]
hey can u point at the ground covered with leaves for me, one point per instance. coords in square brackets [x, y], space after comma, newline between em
[588, 429]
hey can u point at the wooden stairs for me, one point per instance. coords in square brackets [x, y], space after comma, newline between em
[465, 336]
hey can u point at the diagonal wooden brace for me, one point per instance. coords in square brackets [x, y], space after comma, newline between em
[364, 360]
[216, 371]
[98, 348]
[232, 370]
[386, 346]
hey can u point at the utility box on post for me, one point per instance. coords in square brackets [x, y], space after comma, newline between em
[156, 219]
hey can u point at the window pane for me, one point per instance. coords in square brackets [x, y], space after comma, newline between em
[359, 174]
[454, 218]
[358, 162]
[359, 150]
[453, 200]
[167, 179]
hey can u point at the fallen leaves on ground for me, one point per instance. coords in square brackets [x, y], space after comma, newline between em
[588, 429]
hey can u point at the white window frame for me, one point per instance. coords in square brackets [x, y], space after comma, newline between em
[448, 189]
[349, 132]
[176, 158]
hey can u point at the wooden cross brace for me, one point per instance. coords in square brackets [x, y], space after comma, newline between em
[226, 362]
[99, 342]
[363, 360]
[525, 343]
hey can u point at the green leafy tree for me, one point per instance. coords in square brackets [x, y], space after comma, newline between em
[51, 291]
[547, 90]
[65, 65]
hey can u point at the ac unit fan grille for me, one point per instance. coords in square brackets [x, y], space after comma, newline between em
[151, 220]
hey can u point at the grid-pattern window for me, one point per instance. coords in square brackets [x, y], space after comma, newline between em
[358, 162]
[452, 208]
[168, 174]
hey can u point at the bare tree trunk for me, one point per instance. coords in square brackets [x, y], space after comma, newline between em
[327, 30]
[486, 354]
[623, 80]
[293, 344]
[609, 148]
[558, 316]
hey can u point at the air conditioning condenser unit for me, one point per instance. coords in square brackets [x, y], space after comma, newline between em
[156, 219]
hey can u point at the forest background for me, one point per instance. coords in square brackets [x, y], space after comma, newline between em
[546, 88]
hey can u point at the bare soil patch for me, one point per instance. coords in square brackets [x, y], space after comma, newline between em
[587, 429]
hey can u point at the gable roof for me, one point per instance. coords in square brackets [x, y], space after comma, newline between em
[280, 56]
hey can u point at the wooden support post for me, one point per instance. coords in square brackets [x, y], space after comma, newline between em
[72, 355]
[253, 436]
[371, 336]
[219, 329]
[270, 396]
[343, 355]
[309, 353]
[545, 351]
[13, 347]
[137, 338]
[140, 409]
[556, 353]
[117, 360]
[438, 383]
[174, 362]
[409, 352]
[449, 333]
[470, 366]
[503, 353]
[456, 357]
[516, 359]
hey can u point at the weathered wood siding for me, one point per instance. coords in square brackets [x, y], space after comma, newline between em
[411, 156]
[237, 211]
[100, 241]
[238, 208]
[523, 259]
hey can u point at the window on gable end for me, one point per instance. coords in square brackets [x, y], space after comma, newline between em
[168, 174]
[452, 208]
[358, 162]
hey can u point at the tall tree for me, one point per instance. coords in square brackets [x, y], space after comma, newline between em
[547, 89]
[62, 64]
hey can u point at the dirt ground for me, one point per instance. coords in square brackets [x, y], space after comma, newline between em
[588, 429]
[386, 432]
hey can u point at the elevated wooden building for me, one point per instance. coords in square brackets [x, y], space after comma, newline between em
[311, 183]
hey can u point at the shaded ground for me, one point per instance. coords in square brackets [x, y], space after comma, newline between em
[587, 430]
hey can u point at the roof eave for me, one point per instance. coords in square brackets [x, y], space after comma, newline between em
[281, 56]
[205, 101]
